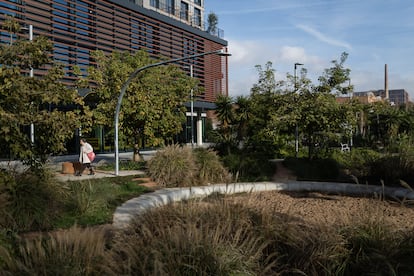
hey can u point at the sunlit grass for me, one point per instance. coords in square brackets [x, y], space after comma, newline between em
[93, 201]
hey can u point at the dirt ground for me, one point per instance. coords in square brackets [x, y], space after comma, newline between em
[318, 208]
[333, 209]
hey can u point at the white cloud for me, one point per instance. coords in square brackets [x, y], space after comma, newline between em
[247, 54]
[250, 53]
[268, 7]
[324, 38]
[293, 54]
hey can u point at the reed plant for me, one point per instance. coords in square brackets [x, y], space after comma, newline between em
[93, 201]
[194, 239]
[224, 236]
[376, 246]
[80, 198]
[176, 166]
[30, 199]
[209, 167]
[74, 251]
[173, 166]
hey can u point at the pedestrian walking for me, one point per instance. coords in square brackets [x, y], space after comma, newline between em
[86, 157]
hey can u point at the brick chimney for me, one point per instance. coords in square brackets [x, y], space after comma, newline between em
[387, 96]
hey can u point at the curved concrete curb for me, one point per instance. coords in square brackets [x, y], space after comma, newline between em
[126, 212]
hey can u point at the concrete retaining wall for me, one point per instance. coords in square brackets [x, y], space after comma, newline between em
[126, 212]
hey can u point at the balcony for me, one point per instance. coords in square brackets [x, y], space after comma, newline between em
[187, 17]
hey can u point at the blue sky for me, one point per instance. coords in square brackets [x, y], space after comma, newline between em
[315, 32]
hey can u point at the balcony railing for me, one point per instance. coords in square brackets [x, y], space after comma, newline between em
[185, 16]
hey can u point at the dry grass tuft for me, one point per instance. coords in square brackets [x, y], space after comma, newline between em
[174, 166]
[193, 239]
[75, 251]
[270, 233]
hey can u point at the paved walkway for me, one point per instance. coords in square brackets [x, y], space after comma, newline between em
[55, 163]
[98, 174]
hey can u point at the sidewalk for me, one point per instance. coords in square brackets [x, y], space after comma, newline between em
[55, 163]
[98, 174]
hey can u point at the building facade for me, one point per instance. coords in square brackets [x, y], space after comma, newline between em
[188, 11]
[396, 97]
[163, 28]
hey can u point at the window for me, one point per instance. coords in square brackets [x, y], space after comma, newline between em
[197, 2]
[170, 6]
[155, 3]
[184, 11]
[197, 17]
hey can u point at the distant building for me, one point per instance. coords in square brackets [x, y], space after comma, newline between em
[397, 97]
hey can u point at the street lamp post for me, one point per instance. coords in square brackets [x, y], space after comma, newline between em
[296, 127]
[192, 108]
[32, 130]
[132, 76]
[30, 29]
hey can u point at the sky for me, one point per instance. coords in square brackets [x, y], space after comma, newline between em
[316, 32]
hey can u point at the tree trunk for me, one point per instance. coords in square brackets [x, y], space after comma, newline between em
[137, 157]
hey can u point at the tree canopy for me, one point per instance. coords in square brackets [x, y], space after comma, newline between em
[153, 106]
[275, 108]
[212, 21]
[54, 109]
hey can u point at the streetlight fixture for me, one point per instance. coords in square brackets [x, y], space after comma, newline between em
[296, 127]
[192, 108]
[30, 29]
[132, 76]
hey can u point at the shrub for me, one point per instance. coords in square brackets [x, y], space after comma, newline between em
[313, 169]
[74, 251]
[391, 169]
[249, 166]
[375, 248]
[80, 197]
[176, 166]
[394, 167]
[191, 240]
[357, 162]
[92, 201]
[371, 167]
[173, 166]
[29, 199]
[7, 243]
[210, 168]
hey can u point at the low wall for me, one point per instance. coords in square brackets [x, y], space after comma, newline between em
[126, 212]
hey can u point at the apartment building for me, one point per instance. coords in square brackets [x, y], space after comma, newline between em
[163, 28]
[189, 11]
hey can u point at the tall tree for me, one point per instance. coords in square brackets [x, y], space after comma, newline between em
[225, 136]
[46, 102]
[336, 79]
[313, 109]
[153, 106]
[212, 21]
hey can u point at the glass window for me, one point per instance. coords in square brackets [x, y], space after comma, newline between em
[197, 17]
[197, 2]
[155, 3]
[170, 6]
[184, 11]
